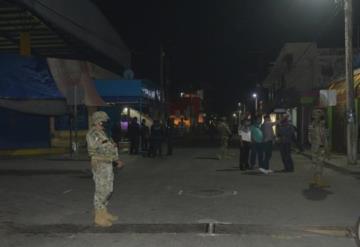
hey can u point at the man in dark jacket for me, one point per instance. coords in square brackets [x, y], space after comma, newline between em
[225, 133]
[134, 136]
[156, 139]
[145, 135]
[169, 131]
[285, 133]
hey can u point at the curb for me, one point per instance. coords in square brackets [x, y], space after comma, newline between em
[331, 166]
[210, 228]
[32, 152]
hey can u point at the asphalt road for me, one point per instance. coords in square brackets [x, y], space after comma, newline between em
[170, 201]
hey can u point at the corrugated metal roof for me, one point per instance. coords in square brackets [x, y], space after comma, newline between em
[51, 39]
[15, 19]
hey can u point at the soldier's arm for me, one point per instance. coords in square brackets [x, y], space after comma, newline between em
[104, 146]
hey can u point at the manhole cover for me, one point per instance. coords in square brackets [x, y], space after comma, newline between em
[206, 158]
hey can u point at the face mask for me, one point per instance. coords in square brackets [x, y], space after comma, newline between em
[107, 127]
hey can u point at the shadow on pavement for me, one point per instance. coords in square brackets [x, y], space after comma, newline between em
[229, 170]
[316, 194]
[206, 158]
[253, 173]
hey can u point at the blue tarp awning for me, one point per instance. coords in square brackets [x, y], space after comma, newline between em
[127, 91]
[24, 78]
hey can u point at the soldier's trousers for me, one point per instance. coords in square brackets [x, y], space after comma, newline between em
[224, 146]
[318, 157]
[103, 176]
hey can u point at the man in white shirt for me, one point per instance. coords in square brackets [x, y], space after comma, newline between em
[245, 144]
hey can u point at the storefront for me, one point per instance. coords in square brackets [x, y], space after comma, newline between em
[126, 99]
[337, 114]
[187, 110]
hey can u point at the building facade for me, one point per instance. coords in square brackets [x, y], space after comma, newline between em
[297, 75]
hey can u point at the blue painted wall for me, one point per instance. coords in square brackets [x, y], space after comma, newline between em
[20, 130]
[63, 122]
[25, 77]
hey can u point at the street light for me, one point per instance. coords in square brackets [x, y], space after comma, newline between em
[239, 113]
[255, 96]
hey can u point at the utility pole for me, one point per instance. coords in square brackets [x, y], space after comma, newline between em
[256, 105]
[162, 82]
[352, 136]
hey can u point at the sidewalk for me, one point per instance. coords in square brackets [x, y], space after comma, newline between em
[338, 162]
[47, 198]
[189, 187]
[25, 152]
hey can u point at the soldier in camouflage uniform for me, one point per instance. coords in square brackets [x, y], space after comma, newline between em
[103, 153]
[319, 146]
[225, 134]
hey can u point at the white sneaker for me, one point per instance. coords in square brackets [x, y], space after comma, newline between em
[262, 170]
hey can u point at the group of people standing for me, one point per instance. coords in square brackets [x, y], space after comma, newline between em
[151, 139]
[256, 143]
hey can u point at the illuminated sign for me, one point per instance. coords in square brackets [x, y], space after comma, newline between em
[151, 94]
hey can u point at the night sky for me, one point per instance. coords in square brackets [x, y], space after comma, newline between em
[224, 46]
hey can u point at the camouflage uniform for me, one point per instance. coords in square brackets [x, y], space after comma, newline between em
[225, 133]
[103, 153]
[319, 145]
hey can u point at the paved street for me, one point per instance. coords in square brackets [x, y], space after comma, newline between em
[171, 201]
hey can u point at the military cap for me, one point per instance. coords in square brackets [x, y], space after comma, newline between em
[99, 116]
[317, 113]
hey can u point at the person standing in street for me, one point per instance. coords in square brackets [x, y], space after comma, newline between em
[182, 127]
[156, 139]
[134, 136]
[145, 135]
[285, 133]
[104, 154]
[269, 136]
[225, 134]
[245, 144]
[257, 145]
[169, 133]
[319, 146]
